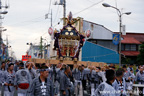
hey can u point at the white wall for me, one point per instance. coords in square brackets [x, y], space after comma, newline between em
[52, 52]
[98, 31]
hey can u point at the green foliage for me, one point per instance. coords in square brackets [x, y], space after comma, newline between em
[126, 60]
[117, 66]
[140, 57]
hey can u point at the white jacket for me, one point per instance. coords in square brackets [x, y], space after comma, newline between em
[105, 89]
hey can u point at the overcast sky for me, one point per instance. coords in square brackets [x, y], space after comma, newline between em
[25, 21]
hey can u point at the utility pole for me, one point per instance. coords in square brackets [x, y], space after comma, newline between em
[120, 33]
[51, 18]
[120, 14]
[0, 33]
[7, 44]
[46, 17]
[41, 46]
[0, 44]
[63, 2]
[64, 14]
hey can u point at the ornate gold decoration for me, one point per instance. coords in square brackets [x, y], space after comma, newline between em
[71, 33]
[66, 33]
[69, 28]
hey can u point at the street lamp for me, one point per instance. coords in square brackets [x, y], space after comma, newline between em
[2, 30]
[29, 44]
[106, 5]
[31, 48]
[120, 26]
[4, 12]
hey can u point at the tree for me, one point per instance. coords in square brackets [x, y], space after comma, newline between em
[126, 60]
[140, 57]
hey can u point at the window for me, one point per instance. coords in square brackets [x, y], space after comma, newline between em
[133, 47]
[93, 41]
[122, 47]
[127, 47]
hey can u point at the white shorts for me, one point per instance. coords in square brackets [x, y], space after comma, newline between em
[21, 94]
[7, 93]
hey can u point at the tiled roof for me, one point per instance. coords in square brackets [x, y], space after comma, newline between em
[130, 53]
[137, 36]
[129, 40]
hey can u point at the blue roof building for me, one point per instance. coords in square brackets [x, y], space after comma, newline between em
[96, 53]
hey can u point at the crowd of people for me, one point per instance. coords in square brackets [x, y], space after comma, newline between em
[29, 79]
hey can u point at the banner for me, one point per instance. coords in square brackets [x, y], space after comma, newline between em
[116, 39]
[25, 57]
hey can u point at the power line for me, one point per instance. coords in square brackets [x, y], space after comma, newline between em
[25, 21]
[32, 23]
[140, 21]
[135, 20]
[59, 15]
[48, 12]
[89, 7]
[58, 23]
[90, 1]
[49, 6]
[116, 6]
[74, 14]
[47, 32]
[31, 20]
[115, 3]
[82, 10]
[56, 14]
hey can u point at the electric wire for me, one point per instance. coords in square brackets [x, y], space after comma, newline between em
[56, 14]
[89, 7]
[84, 10]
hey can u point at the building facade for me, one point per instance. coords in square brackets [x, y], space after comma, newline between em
[99, 44]
[130, 47]
[35, 52]
[4, 52]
